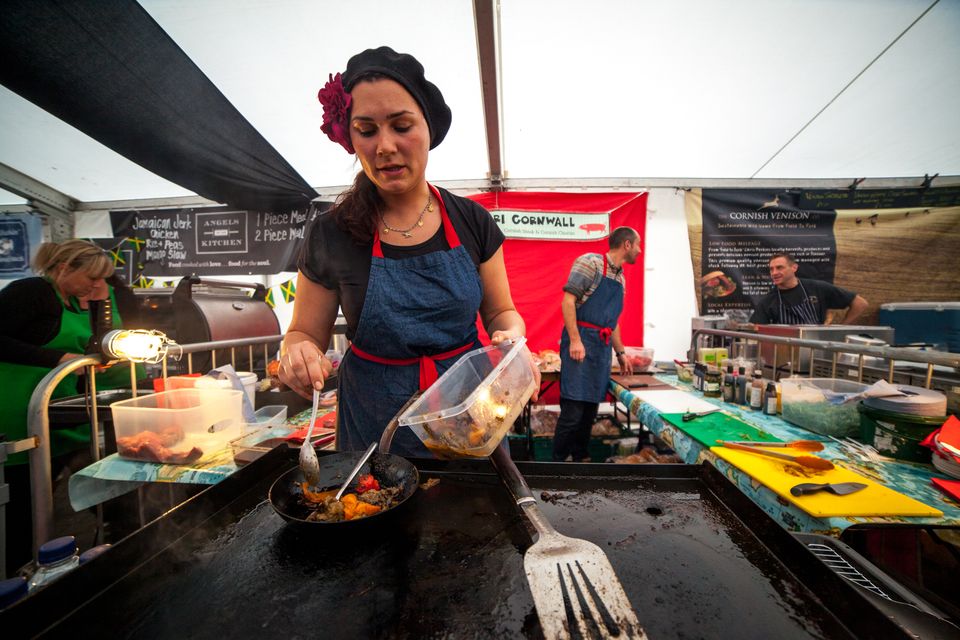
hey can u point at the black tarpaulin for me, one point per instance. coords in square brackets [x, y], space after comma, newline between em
[109, 70]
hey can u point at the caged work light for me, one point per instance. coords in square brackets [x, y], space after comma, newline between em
[137, 345]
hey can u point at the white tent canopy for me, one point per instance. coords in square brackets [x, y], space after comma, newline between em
[616, 92]
[612, 94]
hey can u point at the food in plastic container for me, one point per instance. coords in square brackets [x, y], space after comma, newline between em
[640, 357]
[177, 427]
[470, 408]
[815, 404]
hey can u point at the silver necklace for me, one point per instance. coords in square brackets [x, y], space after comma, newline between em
[419, 223]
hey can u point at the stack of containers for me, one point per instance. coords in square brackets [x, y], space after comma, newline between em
[947, 458]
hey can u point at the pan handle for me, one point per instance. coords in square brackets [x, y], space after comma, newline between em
[386, 438]
[500, 458]
[503, 463]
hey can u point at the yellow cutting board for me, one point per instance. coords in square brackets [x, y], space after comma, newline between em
[779, 476]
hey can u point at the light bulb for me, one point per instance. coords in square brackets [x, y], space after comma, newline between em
[137, 345]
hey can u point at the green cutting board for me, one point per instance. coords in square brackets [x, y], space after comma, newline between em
[718, 426]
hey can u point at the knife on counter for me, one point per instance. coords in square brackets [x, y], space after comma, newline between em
[836, 488]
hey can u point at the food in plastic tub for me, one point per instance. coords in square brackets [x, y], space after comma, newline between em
[177, 427]
[470, 408]
[685, 373]
[806, 402]
[640, 357]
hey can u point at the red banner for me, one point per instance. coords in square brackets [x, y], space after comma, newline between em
[538, 269]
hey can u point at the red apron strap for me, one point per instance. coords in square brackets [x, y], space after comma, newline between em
[428, 363]
[453, 240]
[605, 332]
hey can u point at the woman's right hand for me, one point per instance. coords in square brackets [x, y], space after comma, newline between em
[304, 368]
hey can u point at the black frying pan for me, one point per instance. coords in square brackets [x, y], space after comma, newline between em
[389, 470]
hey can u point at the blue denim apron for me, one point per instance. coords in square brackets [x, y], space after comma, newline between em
[588, 380]
[418, 317]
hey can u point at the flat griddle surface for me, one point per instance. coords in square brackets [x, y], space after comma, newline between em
[451, 565]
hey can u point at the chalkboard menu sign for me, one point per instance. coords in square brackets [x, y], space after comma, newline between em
[213, 240]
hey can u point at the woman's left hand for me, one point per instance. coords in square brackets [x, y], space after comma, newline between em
[499, 336]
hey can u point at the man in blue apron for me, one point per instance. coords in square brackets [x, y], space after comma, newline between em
[796, 301]
[591, 306]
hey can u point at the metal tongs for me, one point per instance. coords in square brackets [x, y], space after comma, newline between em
[690, 415]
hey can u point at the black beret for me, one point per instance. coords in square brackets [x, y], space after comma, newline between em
[406, 70]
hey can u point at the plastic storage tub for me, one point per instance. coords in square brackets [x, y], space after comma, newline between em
[936, 323]
[640, 357]
[470, 408]
[685, 373]
[177, 427]
[804, 403]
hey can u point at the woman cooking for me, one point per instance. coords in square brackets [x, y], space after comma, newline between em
[44, 323]
[409, 264]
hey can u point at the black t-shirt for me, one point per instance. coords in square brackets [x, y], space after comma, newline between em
[332, 259]
[30, 317]
[821, 295]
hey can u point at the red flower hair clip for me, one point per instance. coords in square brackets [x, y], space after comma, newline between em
[336, 106]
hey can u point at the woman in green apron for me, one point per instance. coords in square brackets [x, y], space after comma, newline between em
[42, 325]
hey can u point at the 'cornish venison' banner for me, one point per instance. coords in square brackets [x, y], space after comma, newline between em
[742, 229]
[212, 241]
[549, 225]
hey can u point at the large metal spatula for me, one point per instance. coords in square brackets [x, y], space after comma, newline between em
[575, 590]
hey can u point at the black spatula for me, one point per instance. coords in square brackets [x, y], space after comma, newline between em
[837, 488]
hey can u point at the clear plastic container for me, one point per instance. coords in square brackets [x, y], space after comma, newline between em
[805, 403]
[178, 427]
[54, 559]
[261, 437]
[640, 357]
[272, 415]
[470, 408]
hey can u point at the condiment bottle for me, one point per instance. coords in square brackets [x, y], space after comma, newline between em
[711, 385]
[756, 391]
[770, 404]
[93, 552]
[12, 590]
[54, 559]
[741, 397]
[729, 390]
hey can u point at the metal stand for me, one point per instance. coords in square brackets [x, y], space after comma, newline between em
[38, 428]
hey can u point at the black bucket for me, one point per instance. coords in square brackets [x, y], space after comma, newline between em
[897, 435]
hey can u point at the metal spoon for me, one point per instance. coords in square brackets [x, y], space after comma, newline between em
[309, 464]
[353, 472]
